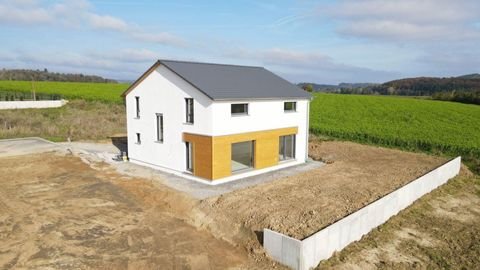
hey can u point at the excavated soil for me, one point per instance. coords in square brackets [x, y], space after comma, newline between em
[56, 212]
[300, 205]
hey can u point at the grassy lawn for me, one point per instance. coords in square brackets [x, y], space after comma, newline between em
[105, 92]
[79, 120]
[412, 124]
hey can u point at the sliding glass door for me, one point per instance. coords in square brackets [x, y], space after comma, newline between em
[242, 155]
[286, 147]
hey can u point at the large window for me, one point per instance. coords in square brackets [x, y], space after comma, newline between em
[189, 156]
[137, 107]
[159, 127]
[290, 106]
[286, 147]
[242, 155]
[189, 110]
[239, 109]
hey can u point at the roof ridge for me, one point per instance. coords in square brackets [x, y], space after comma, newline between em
[205, 63]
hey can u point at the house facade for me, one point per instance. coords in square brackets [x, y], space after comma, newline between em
[215, 123]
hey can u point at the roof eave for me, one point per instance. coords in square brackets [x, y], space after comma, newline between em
[140, 79]
[266, 98]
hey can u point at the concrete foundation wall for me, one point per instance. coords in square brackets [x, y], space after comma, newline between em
[323, 244]
[9, 105]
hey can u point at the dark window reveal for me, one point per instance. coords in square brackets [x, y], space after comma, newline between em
[240, 109]
[159, 127]
[189, 110]
[290, 106]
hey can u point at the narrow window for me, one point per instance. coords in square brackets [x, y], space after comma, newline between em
[139, 141]
[286, 147]
[159, 127]
[239, 109]
[189, 110]
[189, 156]
[290, 106]
[137, 106]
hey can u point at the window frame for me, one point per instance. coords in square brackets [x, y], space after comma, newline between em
[294, 108]
[189, 157]
[245, 106]
[189, 111]
[137, 107]
[160, 127]
[282, 142]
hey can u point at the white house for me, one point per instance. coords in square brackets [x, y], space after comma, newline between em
[214, 122]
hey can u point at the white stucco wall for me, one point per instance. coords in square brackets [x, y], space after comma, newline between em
[164, 92]
[263, 115]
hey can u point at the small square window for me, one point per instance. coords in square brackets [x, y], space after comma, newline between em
[239, 109]
[290, 106]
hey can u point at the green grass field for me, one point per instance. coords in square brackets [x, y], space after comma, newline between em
[105, 92]
[408, 123]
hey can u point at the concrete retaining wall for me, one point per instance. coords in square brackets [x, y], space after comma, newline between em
[8, 105]
[321, 245]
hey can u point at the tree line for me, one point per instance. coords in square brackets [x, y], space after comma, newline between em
[45, 75]
[465, 89]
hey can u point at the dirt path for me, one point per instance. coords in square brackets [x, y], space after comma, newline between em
[57, 212]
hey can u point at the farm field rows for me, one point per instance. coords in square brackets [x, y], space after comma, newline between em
[409, 123]
[106, 92]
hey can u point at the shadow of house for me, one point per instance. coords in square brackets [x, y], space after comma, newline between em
[121, 142]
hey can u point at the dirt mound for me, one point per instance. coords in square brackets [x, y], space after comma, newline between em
[303, 204]
[57, 212]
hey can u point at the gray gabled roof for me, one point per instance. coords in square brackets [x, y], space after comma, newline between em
[230, 82]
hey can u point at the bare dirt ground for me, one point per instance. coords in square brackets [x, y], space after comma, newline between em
[57, 212]
[301, 205]
[440, 231]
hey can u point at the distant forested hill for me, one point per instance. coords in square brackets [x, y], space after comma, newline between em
[465, 89]
[335, 88]
[44, 75]
[427, 86]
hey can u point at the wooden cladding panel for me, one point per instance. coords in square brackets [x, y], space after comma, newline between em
[202, 154]
[266, 149]
[213, 154]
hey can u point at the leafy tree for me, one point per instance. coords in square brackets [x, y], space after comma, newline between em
[308, 88]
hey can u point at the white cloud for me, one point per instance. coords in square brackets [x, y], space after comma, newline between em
[162, 38]
[77, 13]
[23, 12]
[120, 64]
[128, 56]
[427, 20]
[107, 22]
[311, 66]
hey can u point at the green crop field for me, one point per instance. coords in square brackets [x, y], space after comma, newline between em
[105, 92]
[408, 123]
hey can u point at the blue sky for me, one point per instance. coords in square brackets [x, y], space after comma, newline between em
[316, 41]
